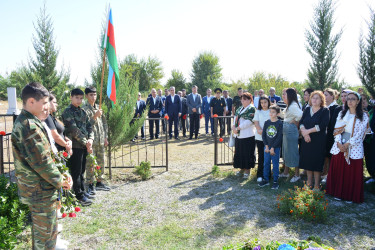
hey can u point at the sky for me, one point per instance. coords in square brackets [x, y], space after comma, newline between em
[246, 35]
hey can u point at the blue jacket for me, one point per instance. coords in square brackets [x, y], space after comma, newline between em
[229, 102]
[174, 108]
[157, 106]
[139, 111]
[206, 108]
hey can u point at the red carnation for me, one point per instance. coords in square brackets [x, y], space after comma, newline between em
[72, 215]
[201, 116]
[97, 167]
[184, 117]
[64, 215]
[77, 209]
[166, 117]
[65, 154]
[221, 140]
[2, 133]
[215, 115]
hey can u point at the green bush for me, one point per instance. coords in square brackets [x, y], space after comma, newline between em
[144, 170]
[304, 203]
[12, 214]
[215, 171]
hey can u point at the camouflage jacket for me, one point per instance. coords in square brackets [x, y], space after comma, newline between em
[77, 126]
[37, 177]
[99, 126]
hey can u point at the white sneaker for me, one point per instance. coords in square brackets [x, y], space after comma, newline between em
[372, 180]
[284, 175]
[239, 173]
[61, 244]
[59, 228]
[59, 214]
[246, 176]
[324, 180]
[295, 178]
[260, 179]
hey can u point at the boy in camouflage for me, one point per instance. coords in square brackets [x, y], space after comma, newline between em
[100, 128]
[38, 179]
[78, 128]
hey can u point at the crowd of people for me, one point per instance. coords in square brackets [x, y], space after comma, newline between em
[328, 141]
[37, 137]
[325, 140]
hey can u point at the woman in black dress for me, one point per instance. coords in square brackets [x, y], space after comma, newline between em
[313, 126]
[331, 95]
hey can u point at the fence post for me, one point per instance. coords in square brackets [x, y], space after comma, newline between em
[215, 140]
[166, 143]
[2, 171]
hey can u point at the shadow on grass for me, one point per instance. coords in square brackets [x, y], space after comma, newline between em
[243, 206]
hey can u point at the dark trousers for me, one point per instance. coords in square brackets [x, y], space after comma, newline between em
[221, 126]
[369, 151]
[183, 125]
[173, 120]
[77, 170]
[194, 124]
[228, 123]
[164, 124]
[260, 148]
[151, 125]
[208, 119]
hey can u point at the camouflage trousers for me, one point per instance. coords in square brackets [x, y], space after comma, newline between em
[44, 225]
[99, 152]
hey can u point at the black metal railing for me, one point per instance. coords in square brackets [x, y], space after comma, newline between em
[223, 154]
[143, 149]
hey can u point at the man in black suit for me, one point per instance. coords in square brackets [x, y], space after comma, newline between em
[194, 103]
[173, 109]
[154, 111]
[141, 106]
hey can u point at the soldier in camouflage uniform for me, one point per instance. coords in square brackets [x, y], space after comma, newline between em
[38, 179]
[100, 128]
[78, 128]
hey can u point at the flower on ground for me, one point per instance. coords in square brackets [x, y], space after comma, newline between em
[97, 167]
[285, 247]
[77, 209]
[257, 248]
[72, 215]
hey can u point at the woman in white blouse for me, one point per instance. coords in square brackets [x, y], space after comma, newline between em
[244, 130]
[292, 114]
[345, 176]
[261, 116]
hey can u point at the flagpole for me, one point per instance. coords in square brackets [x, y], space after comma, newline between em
[104, 50]
[101, 82]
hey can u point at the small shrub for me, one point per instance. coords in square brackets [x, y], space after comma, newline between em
[215, 171]
[144, 170]
[304, 203]
[12, 214]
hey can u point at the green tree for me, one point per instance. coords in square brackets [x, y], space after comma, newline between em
[42, 68]
[206, 72]
[366, 66]
[321, 45]
[120, 115]
[150, 73]
[177, 80]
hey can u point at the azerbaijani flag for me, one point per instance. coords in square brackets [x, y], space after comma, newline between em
[109, 45]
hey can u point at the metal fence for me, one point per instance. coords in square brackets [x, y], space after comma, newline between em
[143, 148]
[223, 154]
[6, 156]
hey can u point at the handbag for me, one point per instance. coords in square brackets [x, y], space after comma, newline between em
[231, 141]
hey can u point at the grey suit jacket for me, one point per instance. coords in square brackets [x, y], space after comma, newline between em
[194, 104]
